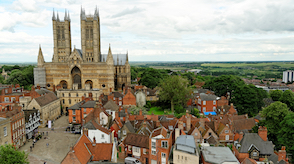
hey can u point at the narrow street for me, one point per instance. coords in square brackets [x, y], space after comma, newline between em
[59, 142]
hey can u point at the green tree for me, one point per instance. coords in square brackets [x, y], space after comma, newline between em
[174, 89]
[9, 155]
[248, 99]
[224, 84]
[190, 77]
[1, 79]
[286, 133]
[274, 114]
[276, 94]
[151, 77]
[195, 112]
[288, 98]
[23, 77]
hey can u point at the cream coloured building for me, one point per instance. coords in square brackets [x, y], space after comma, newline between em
[74, 68]
[69, 97]
[185, 150]
[48, 106]
[5, 131]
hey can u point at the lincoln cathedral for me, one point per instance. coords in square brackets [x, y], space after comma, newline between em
[85, 67]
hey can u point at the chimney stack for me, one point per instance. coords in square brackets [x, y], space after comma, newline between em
[188, 120]
[177, 133]
[282, 154]
[140, 112]
[181, 125]
[262, 132]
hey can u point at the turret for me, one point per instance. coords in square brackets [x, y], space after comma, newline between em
[53, 16]
[127, 58]
[109, 59]
[40, 58]
[58, 17]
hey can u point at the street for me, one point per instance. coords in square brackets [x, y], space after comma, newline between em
[56, 145]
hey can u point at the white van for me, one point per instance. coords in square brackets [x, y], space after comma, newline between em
[131, 160]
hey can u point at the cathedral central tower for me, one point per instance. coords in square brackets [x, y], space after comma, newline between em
[90, 36]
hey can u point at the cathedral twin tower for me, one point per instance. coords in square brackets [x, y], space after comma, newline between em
[85, 67]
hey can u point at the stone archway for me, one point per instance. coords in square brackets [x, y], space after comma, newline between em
[76, 76]
[63, 84]
[90, 82]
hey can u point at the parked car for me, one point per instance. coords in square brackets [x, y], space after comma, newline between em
[131, 160]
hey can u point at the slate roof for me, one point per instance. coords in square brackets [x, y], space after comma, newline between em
[89, 104]
[274, 158]
[118, 59]
[111, 105]
[42, 91]
[186, 143]
[243, 124]
[138, 140]
[80, 52]
[116, 94]
[76, 106]
[207, 97]
[46, 99]
[218, 155]
[265, 147]
[129, 126]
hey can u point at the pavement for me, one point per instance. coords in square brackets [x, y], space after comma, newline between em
[59, 142]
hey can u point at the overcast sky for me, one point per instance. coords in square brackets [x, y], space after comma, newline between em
[157, 30]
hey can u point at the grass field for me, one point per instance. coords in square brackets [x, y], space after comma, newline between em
[157, 111]
[228, 65]
[168, 67]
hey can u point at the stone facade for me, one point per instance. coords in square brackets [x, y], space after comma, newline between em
[49, 107]
[74, 69]
[5, 131]
[70, 97]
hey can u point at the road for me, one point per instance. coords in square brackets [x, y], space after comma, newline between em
[59, 144]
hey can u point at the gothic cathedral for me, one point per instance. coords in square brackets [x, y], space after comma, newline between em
[85, 67]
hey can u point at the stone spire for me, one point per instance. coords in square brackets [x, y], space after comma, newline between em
[83, 14]
[58, 17]
[53, 17]
[65, 15]
[40, 58]
[96, 14]
[109, 59]
[68, 17]
[127, 57]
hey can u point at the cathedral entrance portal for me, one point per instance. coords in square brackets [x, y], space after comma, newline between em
[76, 76]
[63, 84]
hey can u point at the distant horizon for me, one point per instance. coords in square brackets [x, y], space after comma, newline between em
[202, 31]
[172, 62]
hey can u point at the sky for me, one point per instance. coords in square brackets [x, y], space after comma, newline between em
[156, 30]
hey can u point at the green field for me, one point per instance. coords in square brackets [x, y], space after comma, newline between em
[228, 65]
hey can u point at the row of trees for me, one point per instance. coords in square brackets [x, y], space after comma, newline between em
[24, 76]
[279, 121]
[247, 98]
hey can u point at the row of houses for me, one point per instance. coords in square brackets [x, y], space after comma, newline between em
[22, 112]
[223, 137]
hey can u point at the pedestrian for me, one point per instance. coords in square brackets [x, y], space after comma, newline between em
[31, 148]
[47, 133]
[47, 144]
[33, 144]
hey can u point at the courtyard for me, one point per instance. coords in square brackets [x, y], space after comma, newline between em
[54, 147]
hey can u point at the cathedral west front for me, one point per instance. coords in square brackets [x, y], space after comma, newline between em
[81, 68]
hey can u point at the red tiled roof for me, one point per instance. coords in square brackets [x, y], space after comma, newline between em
[159, 131]
[138, 140]
[97, 126]
[81, 151]
[100, 151]
[244, 124]
[71, 158]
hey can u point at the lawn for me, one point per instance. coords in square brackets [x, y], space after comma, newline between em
[157, 111]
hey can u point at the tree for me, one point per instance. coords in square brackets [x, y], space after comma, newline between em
[224, 84]
[9, 155]
[175, 89]
[23, 77]
[274, 114]
[151, 77]
[276, 94]
[248, 99]
[286, 133]
[1, 79]
[288, 98]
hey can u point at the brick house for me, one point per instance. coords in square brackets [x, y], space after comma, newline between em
[206, 102]
[254, 146]
[161, 141]
[129, 98]
[17, 125]
[10, 93]
[135, 145]
[225, 134]
[117, 97]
